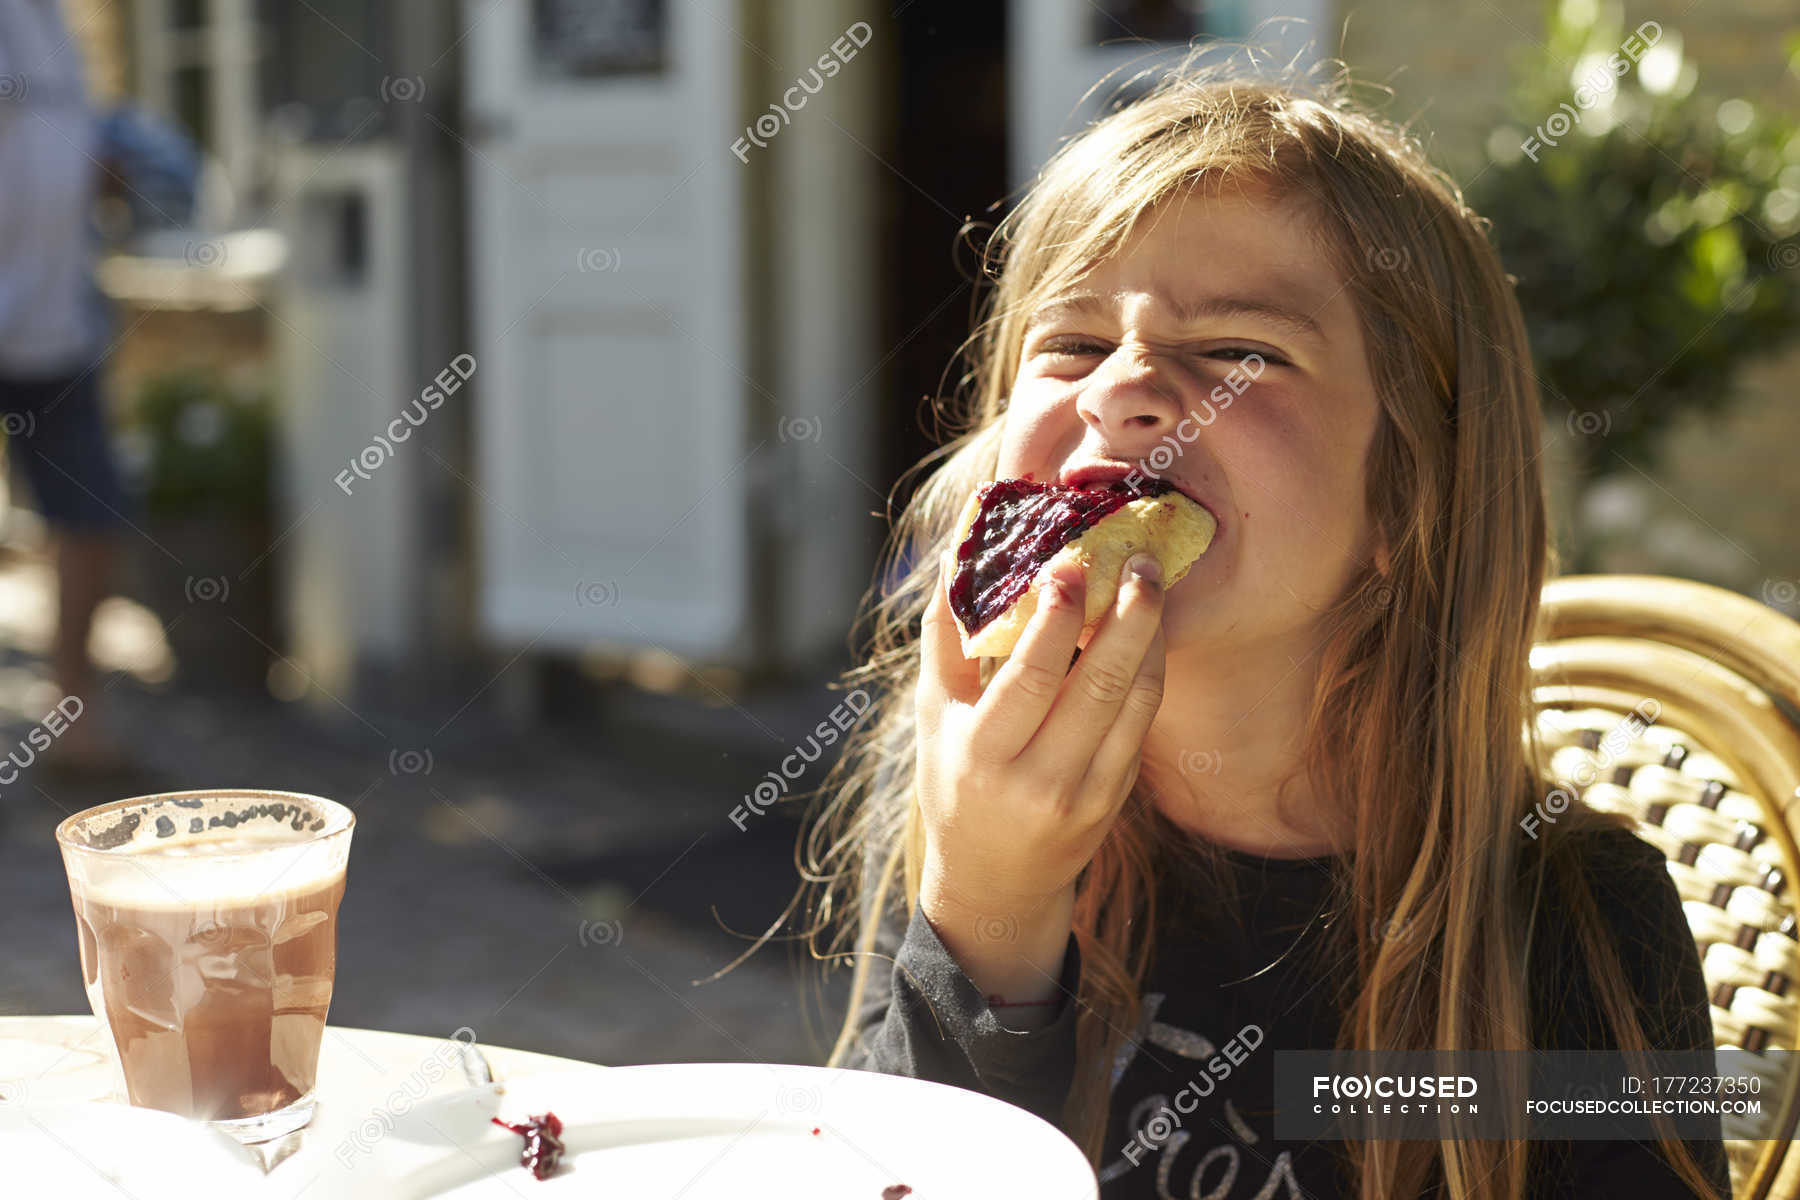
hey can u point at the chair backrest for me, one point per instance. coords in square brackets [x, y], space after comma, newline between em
[1679, 704]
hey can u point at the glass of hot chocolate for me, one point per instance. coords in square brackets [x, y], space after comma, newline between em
[208, 929]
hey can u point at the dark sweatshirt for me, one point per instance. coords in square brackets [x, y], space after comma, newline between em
[1209, 979]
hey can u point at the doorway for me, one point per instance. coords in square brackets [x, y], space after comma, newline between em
[948, 150]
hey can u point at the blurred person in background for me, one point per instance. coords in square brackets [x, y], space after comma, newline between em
[53, 333]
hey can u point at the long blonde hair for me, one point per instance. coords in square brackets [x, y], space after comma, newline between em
[1418, 730]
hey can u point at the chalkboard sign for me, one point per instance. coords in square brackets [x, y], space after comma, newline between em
[596, 38]
[1164, 20]
[327, 68]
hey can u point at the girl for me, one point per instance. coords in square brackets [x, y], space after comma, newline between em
[1278, 807]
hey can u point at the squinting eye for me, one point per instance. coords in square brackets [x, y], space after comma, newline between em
[1240, 353]
[1076, 347]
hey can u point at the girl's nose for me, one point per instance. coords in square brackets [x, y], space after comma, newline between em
[1127, 397]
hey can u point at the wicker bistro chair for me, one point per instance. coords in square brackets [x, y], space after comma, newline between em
[1679, 703]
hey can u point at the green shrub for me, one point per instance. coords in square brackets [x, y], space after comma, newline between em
[205, 444]
[1656, 244]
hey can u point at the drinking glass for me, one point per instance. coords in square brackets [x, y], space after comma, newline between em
[208, 930]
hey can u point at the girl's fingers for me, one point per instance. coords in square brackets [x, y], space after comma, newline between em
[1023, 689]
[1106, 674]
[1116, 758]
[944, 674]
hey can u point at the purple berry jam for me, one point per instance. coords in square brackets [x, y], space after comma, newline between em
[543, 1143]
[1020, 527]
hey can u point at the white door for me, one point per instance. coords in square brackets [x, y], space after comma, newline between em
[1058, 49]
[608, 321]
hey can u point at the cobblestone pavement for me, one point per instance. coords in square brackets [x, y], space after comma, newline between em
[556, 890]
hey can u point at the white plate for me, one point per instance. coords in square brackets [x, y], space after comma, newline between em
[96, 1149]
[720, 1131]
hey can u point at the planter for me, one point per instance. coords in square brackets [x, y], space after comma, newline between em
[212, 590]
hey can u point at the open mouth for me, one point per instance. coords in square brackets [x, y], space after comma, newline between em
[1176, 487]
[1108, 476]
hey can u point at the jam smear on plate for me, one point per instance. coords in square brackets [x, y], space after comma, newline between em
[543, 1143]
[1020, 527]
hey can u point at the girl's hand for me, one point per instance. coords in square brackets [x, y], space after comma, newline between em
[1019, 784]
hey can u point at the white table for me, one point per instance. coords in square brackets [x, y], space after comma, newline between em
[365, 1075]
[396, 1117]
[71, 1058]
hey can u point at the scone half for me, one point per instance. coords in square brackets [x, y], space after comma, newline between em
[1003, 540]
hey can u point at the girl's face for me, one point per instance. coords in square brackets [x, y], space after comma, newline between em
[1220, 334]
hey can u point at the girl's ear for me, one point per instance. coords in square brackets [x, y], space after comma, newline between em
[1383, 560]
